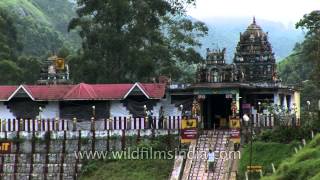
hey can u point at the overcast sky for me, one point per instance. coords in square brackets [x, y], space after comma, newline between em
[285, 11]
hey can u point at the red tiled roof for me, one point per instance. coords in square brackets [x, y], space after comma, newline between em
[48, 92]
[111, 91]
[83, 91]
[154, 91]
[6, 91]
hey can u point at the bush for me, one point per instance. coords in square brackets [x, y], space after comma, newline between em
[306, 155]
[315, 142]
[284, 134]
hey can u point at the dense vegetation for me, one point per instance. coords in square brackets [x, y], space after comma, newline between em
[302, 67]
[11, 67]
[130, 40]
[30, 30]
[41, 25]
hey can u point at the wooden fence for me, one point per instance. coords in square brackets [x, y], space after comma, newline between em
[115, 123]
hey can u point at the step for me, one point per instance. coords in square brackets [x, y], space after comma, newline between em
[217, 141]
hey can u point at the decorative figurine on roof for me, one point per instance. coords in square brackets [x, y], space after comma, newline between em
[54, 71]
[254, 55]
[215, 70]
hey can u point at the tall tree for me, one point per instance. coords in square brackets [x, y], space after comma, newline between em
[134, 40]
[10, 73]
[310, 51]
[303, 65]
[9, 45]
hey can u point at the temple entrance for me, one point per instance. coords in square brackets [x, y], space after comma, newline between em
[216, 111]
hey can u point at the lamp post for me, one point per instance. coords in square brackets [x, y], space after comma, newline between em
[40, 111]
[94, 111]
[93, 118]
[181, 109]
[147, 125]
[308, 107]
[248, 120]
[74, 121]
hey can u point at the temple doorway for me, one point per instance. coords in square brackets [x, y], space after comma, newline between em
[216, 110]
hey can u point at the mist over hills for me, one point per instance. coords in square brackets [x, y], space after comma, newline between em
[225, 32]
[42, 27]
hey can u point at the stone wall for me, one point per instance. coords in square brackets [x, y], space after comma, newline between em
[51, 154]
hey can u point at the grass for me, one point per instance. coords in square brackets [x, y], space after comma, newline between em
[263, 154]
[303, 165]
[130, 170]
[155, 169]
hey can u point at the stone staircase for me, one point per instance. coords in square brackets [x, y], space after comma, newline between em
[217, 141]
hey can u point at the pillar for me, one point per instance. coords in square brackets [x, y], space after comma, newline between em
[276, 98]
[238, 102]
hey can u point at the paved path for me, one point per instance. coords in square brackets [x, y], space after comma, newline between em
[216, 140]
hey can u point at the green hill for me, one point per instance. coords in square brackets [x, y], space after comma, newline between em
[41, 24]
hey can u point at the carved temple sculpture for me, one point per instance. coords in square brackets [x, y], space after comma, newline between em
[253, 61]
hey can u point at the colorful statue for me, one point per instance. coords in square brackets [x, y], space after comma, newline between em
[195, 108]
[234, 108]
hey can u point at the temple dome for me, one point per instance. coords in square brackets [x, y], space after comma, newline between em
[254, 30]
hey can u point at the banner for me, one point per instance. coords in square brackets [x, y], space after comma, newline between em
[234, 124]
[188, 130]
[5, 147]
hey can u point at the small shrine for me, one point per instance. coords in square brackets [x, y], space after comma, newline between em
[215, 70]
[54, 71]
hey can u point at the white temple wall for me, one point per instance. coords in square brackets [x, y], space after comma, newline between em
[51, 110]
[118, 109]
[5, 112]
